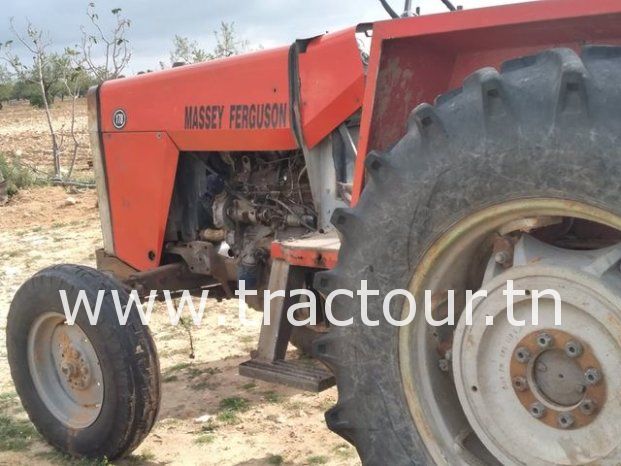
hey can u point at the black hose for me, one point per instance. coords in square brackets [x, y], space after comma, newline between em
[389, 9]
[449, 5]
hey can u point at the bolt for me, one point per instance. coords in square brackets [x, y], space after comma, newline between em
[573, 349]
[592, 376]
[522, 355]
[502, 257]
[520, 384]
[587, 407]
[537, 410]
[444, 365]
[544, 340]
[565, 420]
[67, 369]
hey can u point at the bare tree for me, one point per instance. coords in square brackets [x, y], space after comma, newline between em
[6, 85]
[227, 43]
[4, 196]
[113, 46]
[37, 42]
[186, 51]
[74, 81]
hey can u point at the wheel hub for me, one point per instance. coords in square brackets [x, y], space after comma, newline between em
[73, 367]
[559, 382]
[517, 383]
[65, 371]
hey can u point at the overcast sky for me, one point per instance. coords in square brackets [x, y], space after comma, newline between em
[155, 22]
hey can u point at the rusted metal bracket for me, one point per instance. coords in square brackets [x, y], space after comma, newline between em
[202, 258]
[171, 277]
[318, 250]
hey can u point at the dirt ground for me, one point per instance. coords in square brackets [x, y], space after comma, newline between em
[210, 415]
[24, 133]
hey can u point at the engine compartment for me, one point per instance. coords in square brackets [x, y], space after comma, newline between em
[240, 203]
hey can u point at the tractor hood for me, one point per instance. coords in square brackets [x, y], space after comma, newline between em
[268, 100]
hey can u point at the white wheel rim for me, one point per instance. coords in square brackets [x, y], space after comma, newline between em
[442, 422]
[65, 371]
[486, 359]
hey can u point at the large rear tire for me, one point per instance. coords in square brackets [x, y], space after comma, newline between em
[541, 134]
[304, 337]
[90, 390]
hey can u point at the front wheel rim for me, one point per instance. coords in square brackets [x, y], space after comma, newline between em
[65, 371]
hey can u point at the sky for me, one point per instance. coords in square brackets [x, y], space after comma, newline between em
[267, 23]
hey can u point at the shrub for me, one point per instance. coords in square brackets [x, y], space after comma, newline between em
[36, 100]
[16, 175]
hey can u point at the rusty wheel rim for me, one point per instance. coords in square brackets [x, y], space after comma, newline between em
[65, 371]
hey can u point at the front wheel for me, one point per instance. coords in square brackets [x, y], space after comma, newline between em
[514, 177]
[90, 390]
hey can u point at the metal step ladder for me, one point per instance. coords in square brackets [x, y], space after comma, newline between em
[268, 362]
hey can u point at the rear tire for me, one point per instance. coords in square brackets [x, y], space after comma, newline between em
[304, 337]
[124, 357]
[546, 126]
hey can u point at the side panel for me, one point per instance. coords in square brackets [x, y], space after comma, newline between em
[414, 60]
[99, 166]
[141, 173]
[239, 103]
[331, 83]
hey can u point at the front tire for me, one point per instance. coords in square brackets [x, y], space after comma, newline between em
[90, 390]
[544, 128]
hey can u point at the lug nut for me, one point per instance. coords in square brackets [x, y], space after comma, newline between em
[520, 384]
[573, 349]
[502, 257]
[67, 369]
[544, 340]
[537, 410]
[444, 365]
[587, 407]
[565, 420]
[592, 376]
[522, 355]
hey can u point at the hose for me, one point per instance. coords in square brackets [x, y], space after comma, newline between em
[389, 9]
[449, 5]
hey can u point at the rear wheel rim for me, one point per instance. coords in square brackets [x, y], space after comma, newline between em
[433, 400]
[65, 371]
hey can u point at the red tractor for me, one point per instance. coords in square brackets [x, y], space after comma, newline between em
[458, 151]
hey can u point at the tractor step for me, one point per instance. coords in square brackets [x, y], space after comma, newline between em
[296, 374]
